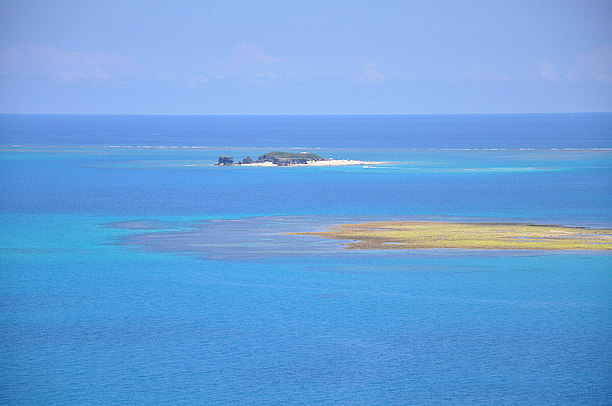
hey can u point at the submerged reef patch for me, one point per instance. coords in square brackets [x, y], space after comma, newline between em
[283, 236]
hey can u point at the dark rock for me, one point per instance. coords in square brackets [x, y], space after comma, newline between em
[226, 160]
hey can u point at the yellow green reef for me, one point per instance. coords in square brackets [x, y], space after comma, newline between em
[433, 234]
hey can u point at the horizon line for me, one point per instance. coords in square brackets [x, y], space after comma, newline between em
[301, 115]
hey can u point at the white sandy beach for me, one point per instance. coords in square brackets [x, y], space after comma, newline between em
[331, 162]
[341, 162]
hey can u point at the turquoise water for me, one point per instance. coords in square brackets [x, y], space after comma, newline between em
[148, 276]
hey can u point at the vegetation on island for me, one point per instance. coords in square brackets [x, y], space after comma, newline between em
[505, 236]
[279, 155]
[276, 157]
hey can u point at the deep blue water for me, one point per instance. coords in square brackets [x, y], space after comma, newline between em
[113, 290]
[580, 130]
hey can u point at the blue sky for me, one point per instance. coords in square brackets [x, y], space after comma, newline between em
[305, 57]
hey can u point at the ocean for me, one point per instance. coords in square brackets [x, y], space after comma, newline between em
[134, 271]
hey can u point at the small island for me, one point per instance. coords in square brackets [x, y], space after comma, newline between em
[279, 158]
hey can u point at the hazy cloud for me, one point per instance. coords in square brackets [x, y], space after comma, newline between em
[605, 77]
[250, 53]
[592, 65]
[98, 74]
[599, 59]
[574, 76]
[596, 63]
[246, 63]
[480, 75]
[72, 76]
[369, 70]
[70, 66]
[197, 81]
[548, 72]
[10, 55]
[95, 58]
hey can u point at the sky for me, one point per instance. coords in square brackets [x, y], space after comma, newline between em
[305, 57]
